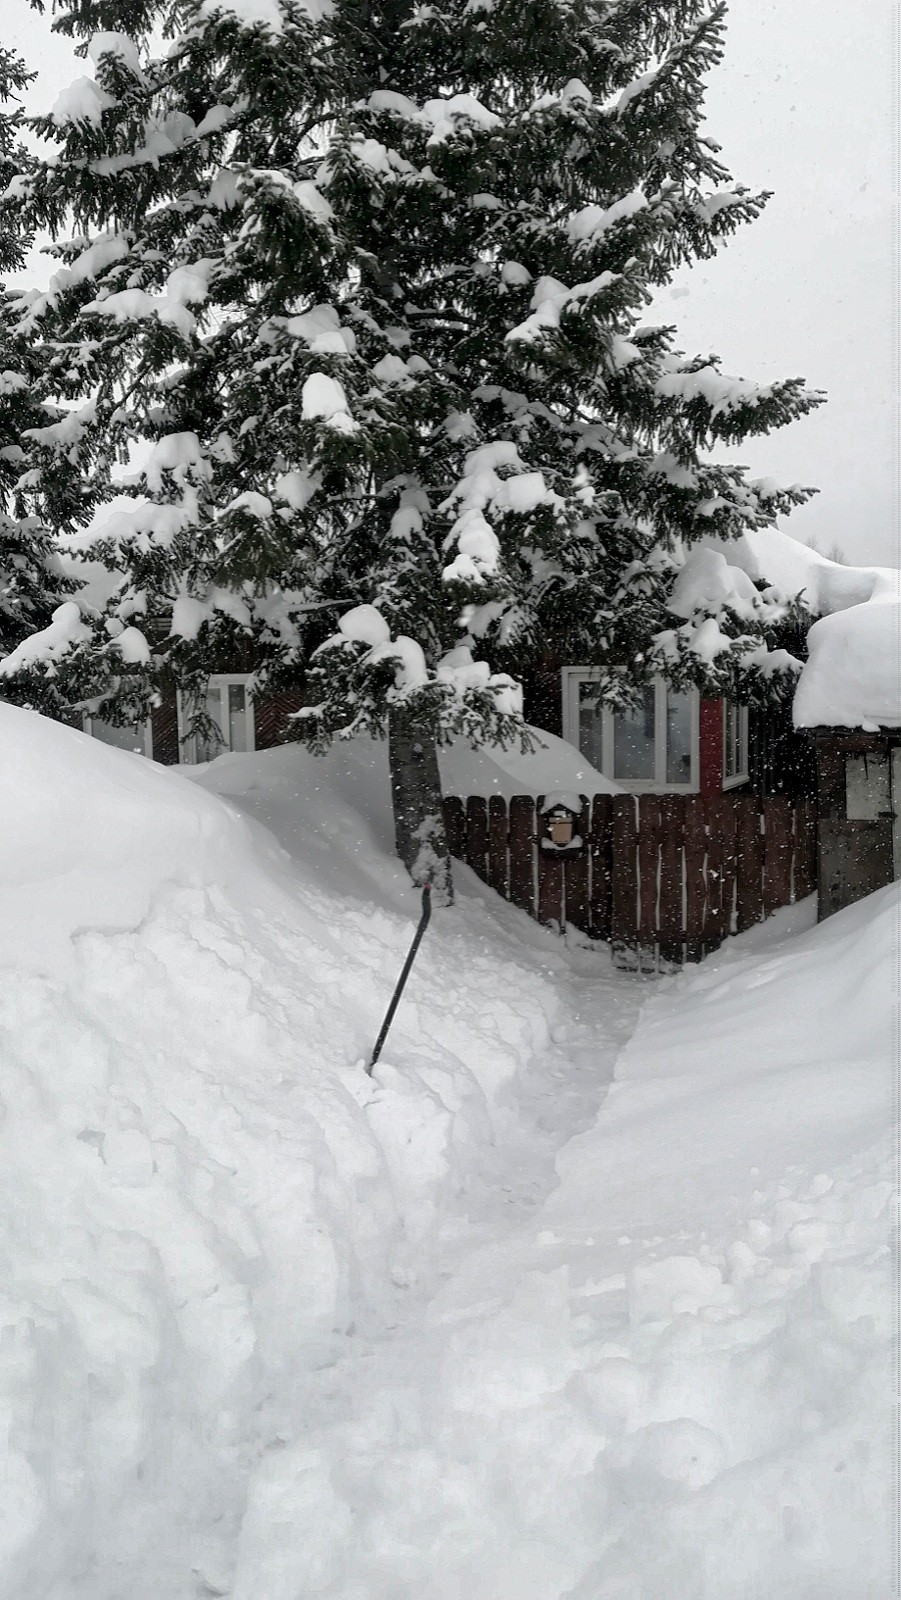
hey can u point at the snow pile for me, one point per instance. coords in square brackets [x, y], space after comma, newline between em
[739, 1359]
[720, 392]
[853, 675]
[267, 14]
[119, 45]
[324, 397]
[707, 581]
[273, 1328]
[202, 1192]
[481, 489]
[771, 557]
[64, 630]
[81, 101]
[550, 300]
[587, 227]
[673, 1379]
[357, 769]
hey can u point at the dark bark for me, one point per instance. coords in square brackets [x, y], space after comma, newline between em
[420, 837]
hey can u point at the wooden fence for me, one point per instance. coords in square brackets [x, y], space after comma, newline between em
[663, 878]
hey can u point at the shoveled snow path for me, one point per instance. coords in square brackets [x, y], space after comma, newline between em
[388, 1474]
[622, 1355]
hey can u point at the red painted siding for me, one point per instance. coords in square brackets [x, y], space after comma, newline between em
[711, 747]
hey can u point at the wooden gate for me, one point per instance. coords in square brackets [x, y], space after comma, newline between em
[663, 878]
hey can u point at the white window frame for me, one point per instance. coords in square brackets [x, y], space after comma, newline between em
[87, 723]
[574, 677]
[742, 774]
[187, 744]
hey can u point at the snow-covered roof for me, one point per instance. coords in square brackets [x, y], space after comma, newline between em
[770, 556]
[852, 677]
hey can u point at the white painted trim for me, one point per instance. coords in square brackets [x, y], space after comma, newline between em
[87, 723]
[187, 747]
[742, 774]
[572, 677]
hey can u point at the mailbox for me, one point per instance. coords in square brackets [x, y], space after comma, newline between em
[559, 816]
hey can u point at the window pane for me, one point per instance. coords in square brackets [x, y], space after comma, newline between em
[678, 737]
[130, 738]
[237, 717]
[590, 724]
[633, 740]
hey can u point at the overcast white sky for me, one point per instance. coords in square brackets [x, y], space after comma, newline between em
[802, 105]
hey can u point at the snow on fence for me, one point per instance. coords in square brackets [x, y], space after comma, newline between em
[663, 878]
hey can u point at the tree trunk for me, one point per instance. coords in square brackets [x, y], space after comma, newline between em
[419, 833]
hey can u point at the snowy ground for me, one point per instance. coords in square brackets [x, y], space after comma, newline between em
[483, 1326]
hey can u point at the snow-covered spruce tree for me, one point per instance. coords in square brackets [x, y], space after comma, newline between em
[366, 281]
[32, 583]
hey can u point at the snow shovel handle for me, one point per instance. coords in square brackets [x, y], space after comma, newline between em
[411, 956]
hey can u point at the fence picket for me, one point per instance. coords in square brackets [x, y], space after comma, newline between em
[748, 864]
[648, 863]
[714, 817]
[624, 897]
[497, 844]
[728, 824]
[671, 921]
[576, 907]
[477, 835]
[455, 826]
[600, 907]
[550, 888]
[695, 845]
[522, 852]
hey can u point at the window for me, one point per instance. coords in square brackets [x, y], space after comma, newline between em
[735, 744]
[652, 747]
[229, 707]
[868, 788]
[135, 737]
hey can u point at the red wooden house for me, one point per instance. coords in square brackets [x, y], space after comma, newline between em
[675, 743]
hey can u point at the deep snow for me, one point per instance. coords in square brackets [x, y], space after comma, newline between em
[271, 1330]
[852, 675]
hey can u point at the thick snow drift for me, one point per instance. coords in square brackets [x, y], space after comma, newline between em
[273, 1330]
[687, 1359]
[201, 1194]
[852, 677]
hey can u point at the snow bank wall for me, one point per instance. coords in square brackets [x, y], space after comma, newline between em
[200, 1193]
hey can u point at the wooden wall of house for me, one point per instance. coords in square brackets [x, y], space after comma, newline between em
[854, 857]
[781, 761]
